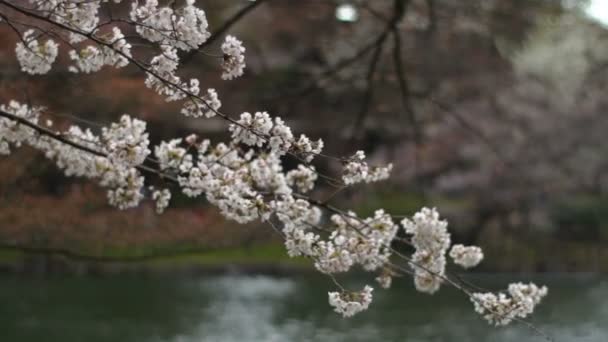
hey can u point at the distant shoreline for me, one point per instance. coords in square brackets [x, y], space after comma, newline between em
[54, 266]
[269, 259]
[263, 259]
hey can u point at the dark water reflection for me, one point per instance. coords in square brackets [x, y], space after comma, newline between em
[240, 308]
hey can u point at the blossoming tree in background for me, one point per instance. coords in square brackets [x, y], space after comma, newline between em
[245, 177]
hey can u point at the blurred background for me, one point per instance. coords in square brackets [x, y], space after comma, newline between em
[493, 111]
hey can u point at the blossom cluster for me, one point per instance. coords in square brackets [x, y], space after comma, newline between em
[247, 186]
[501, 308]
[467, 257]
[385, 279]
[206, 106]
[184, 28]
[350, 303]
[260, 129]
[365, 242]
[356, 170]
[82, 18]
[234, 58]
[11, 133]
[431, 240]
[162, 198]
[170, 28]
[303, 178]
[78, 15]
[126, 142]
[118, 151]
[36, 58]
[251, 129]
[92, 58]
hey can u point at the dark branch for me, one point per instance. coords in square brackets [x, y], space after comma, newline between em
[405, 88]
[369, 92]
[223, 29]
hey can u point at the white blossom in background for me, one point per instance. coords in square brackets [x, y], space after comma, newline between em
[379, 232]
[267, 174]
[365, 242]
[129, 192]
[184, 28]
[385, 280]
[349, 304]
[282, 138]
[126, 141]
[467, 257]
[379, 173]
[12, 133]
[233, 62]
[161, 198]
[206, 107]
[169, 154]
[162, 77]
[300, 242]
[116, 173]
[79, 15]
[77, 163]
[36, 58]
[92, 59]
[431, 240]
[297, 217]
[357, 170]
[307, 148]
[251, 130]
[191, 139]
[303, 178]
[501, 309]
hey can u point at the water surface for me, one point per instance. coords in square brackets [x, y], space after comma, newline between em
[260, 308]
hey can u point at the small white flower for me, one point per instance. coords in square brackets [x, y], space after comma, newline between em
[162, 198]
[169, 154]
[466, 257]
[126, 141]
[207, 107]
[251, 130]
[349, 304]
[356, 170]
[184, 27]
[92, 59]
[303, 178]
[234, 59]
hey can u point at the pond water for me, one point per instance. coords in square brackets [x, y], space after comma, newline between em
[261, 308]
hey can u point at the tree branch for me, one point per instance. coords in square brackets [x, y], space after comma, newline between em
[59, 137]
[405, 88]
[369, 92]
[223, 29]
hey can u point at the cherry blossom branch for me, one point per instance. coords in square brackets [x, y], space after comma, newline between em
[245, 184]
[61, 138]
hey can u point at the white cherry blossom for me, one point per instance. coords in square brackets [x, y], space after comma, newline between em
[34, 57]
[349, 304]
[233, 62]
[467, 257]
